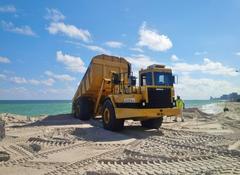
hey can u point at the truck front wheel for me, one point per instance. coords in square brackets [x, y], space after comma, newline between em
[152, 123]
[109, 118]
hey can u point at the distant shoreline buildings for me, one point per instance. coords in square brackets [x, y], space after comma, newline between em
[229, 97]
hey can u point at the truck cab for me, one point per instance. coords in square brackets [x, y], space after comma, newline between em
[159, 83]
[156, 75]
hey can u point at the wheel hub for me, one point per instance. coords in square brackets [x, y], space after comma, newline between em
[106, 116]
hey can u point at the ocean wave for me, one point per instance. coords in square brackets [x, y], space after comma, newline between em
[213, 108]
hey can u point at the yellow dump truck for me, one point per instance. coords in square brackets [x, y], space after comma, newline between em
[108, 89]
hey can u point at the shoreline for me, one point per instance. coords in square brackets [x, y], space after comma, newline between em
[213, 108]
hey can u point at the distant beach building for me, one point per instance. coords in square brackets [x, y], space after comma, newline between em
[229, 97]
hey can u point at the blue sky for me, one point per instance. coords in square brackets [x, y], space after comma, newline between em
[46, 46]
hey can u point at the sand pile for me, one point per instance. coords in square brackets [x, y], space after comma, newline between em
[193, 113]
[18, 119]
[230, 118]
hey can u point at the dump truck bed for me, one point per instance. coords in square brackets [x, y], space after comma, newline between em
[100, 68]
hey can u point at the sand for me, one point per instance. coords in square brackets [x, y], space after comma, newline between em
[61, 144]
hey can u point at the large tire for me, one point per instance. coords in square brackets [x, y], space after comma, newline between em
[84, 108]
[152, 123]
[74, 109]
[4, 156]
[109, 118]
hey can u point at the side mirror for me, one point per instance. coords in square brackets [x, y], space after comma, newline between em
[175, 79]
[132, 81]
[116, 78]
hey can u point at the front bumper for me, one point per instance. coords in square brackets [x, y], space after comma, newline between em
[130, 113]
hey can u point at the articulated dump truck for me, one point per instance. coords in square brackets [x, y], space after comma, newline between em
[108, 89]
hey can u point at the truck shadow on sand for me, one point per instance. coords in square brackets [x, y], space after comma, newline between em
[54, 120]
[60, 119]
[91, 130]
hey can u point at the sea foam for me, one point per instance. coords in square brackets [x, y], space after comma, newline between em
[213, 108]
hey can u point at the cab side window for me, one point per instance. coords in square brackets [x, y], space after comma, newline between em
[146, 79]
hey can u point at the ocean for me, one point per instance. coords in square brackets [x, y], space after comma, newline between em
[53, 107]
[35, 107]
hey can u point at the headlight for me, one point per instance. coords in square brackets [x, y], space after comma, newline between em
[174, 104]
[143, 103]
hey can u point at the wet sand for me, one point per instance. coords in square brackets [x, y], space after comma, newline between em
[61, 144]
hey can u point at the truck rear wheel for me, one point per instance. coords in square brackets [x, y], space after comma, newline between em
[84, 108]
[152, 123]
[109, 118]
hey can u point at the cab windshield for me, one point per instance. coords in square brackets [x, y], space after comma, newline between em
[163, 78]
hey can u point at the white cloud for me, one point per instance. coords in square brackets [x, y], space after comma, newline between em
[137, 49]
[18, 80]
[74, 43]
[43, 93]
[208, 66]
[54, 15]
[174, 58]
[153, 40]
[8, 72]
[8, 9]
[48, 82]
[237, 53]
[90, 47]
[2, 76]
[114, 44]
[15, 93]
[69, 30]
[200, 53]
[22, 80]
[58, 93]
[4, 60]
[96, 49]
[24, 30]
[140, 61]
[203, 88]
[61, 77]
[72, 63]
[34, 82]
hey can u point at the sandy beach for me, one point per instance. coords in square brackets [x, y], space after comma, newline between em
[60, 144]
